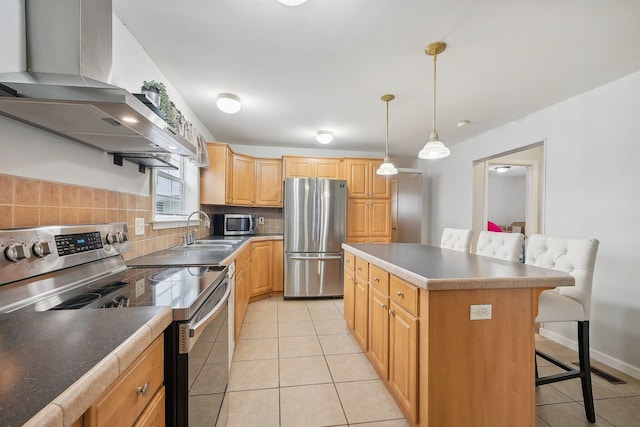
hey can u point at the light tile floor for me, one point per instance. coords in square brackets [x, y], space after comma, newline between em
[296, 364]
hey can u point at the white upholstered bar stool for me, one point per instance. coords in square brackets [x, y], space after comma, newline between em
[505, 246]
[567, 303]
[457, 239]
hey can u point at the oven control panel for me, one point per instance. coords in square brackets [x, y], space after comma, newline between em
[29, 252]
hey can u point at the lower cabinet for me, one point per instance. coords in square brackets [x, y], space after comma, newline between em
[277, 275]
[261, 267]
[137, 397]
[382, 312]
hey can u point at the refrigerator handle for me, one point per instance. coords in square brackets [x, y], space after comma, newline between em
[316, 212]
[314, 258]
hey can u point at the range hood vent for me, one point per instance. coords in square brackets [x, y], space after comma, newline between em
[63, 91]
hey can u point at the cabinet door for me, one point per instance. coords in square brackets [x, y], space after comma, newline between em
[379, 218]
[298, 167]
[357, 176]
[357, 218]
[403, 358]
[154, 414]
[379, 331]
[261, 267]
[211, 192]
[243, 180]
[268, 182]
[327, 168]
[361, 313]
[380, 186]
[349, 285]
[277, 283]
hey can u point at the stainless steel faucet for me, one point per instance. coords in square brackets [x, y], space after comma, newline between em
[190, 238]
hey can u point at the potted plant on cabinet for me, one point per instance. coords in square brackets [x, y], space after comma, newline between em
[157, 94]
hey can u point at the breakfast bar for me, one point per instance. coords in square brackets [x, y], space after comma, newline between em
[450, 333]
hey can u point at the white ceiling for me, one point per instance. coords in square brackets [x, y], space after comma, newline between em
[325, 64]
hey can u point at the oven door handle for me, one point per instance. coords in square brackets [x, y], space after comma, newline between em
[203, 323]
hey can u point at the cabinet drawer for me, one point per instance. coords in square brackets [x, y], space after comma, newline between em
[123, 402]
[379, 279]
[404, 294]
[349, 261]
[362, 270]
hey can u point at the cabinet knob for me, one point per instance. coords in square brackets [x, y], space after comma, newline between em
[143, 390]
[400, 294]
[391, 312]
[375, 279]
[384, 306]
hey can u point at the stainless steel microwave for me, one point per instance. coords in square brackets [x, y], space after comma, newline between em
[234, 224]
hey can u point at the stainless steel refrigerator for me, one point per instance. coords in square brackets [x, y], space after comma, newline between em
[315, 226]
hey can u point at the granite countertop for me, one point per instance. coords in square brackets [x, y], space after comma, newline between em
[201, 255]
[54, 364]
[435, 268]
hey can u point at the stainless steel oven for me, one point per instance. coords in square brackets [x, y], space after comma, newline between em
[81, 267]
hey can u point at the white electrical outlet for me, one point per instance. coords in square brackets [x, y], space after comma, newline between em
[481, 312]
[261, 220]
[139, 226]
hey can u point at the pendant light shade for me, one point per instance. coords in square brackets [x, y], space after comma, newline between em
[434, 149]
[387, 168]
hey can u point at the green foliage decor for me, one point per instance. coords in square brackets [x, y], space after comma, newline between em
[165, 102]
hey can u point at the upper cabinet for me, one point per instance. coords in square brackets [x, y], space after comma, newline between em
[362, 180]
[268, 182]
[311, 167]
[240, 180]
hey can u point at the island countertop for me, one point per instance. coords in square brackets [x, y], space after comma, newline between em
[435, 268]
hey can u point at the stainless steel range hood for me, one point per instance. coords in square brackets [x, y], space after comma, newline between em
[63, 89]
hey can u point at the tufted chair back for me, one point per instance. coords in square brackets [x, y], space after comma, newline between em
[456, 238]
[505, 246]
[574, 256]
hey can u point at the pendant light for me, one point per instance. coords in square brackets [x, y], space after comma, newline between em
[387, 168]
[434, 149]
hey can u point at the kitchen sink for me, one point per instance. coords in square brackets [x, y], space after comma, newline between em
[216, 245]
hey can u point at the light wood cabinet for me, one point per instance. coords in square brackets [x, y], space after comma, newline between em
[362, 180]
[261, 267]
[369, 220]
[154, 413]
[311, 167]
[277, 282]
[216, 181]
[243, 287]
[403, 359]
[379, 331]
[136, 396]
[268, 182]
[361, 304]
[240, 180]
[244, 180]
[349, 284]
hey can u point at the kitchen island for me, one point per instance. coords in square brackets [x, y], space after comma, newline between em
[450, 333]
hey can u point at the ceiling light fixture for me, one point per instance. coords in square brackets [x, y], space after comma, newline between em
[502, 169]
[324, 136]
[434, 149]
[292, 2]
[228, 103]
[387, 168]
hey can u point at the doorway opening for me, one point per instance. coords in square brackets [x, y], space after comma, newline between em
[511, 200]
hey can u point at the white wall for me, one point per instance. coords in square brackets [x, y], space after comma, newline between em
[507, 199]
[591, 191]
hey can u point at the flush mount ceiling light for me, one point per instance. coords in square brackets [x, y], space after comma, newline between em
[387, 168]
[228, 103]
[434, 149]
[324, 136]
[292, 2]
[502, 169]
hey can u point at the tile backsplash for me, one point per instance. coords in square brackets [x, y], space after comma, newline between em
[26, 202]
